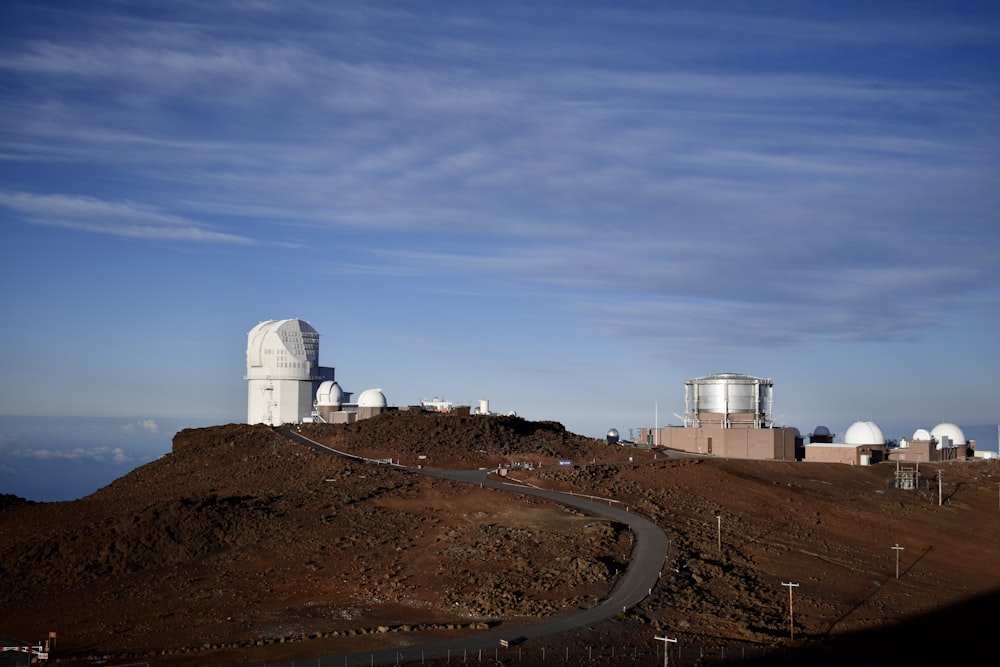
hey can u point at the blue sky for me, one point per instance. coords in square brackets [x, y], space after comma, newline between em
[567, 208]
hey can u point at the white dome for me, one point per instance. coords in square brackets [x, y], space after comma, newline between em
[283, 350]
[921, 434]
[864, 433]
[950, 431]
[372, 398]
[821, 431]
[329, 394]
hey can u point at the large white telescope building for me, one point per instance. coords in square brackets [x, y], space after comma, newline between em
[283, 372]
[288, 386]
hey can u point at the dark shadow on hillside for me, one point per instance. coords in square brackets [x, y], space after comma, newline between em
[963, 634]
[876, 589]
[755, 539]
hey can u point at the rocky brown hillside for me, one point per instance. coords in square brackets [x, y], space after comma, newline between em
[240, 537]
[241, 546]
[456, 441]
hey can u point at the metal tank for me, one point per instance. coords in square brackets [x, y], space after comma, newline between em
[729, 399]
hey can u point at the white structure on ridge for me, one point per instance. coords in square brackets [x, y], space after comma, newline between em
[864, 433]
[372, 398]
[948, 435]
[283, 372]
[288, 386]
[864, 443]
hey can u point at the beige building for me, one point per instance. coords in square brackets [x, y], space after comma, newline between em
[864, 443]
[332, 408]
[946, 442]
[837, 452]
[737, 443]
[729, 415]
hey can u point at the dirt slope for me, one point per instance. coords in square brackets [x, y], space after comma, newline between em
[242, 546]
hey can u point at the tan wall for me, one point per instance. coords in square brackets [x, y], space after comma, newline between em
[343, 418]
[334, 416]
[368, 413]
[327, 412]
[919, 451]
[822, 453]
[922, 451]
[739, 443]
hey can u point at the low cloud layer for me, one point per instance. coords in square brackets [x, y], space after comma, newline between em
[148, 425]
[95, 454]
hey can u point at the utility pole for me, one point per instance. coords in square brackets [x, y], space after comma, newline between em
[656, 418]
[666, 648]
[897, 549]
[791, 613]
[718, 516]
[940, 474]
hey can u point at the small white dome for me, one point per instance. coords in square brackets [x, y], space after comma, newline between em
[329, 394]
[372, 398]
[921, 434]
[864, 433]
[949, 431]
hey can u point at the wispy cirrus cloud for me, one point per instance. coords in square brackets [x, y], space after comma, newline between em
[113, 218]
[637, 156]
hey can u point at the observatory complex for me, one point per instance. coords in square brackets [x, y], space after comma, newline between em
[728, 414]
[865, 443]
[286, 384]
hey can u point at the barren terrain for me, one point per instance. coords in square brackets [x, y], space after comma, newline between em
[244, 547]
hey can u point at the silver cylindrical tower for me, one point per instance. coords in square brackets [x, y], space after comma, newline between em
[729, 400]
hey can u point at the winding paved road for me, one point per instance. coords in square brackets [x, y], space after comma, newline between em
[648, 555]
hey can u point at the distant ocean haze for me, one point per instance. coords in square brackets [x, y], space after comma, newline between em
[66, 458]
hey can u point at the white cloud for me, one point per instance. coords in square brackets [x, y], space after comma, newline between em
[95, 454]
[114, 218]
[143, 425]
